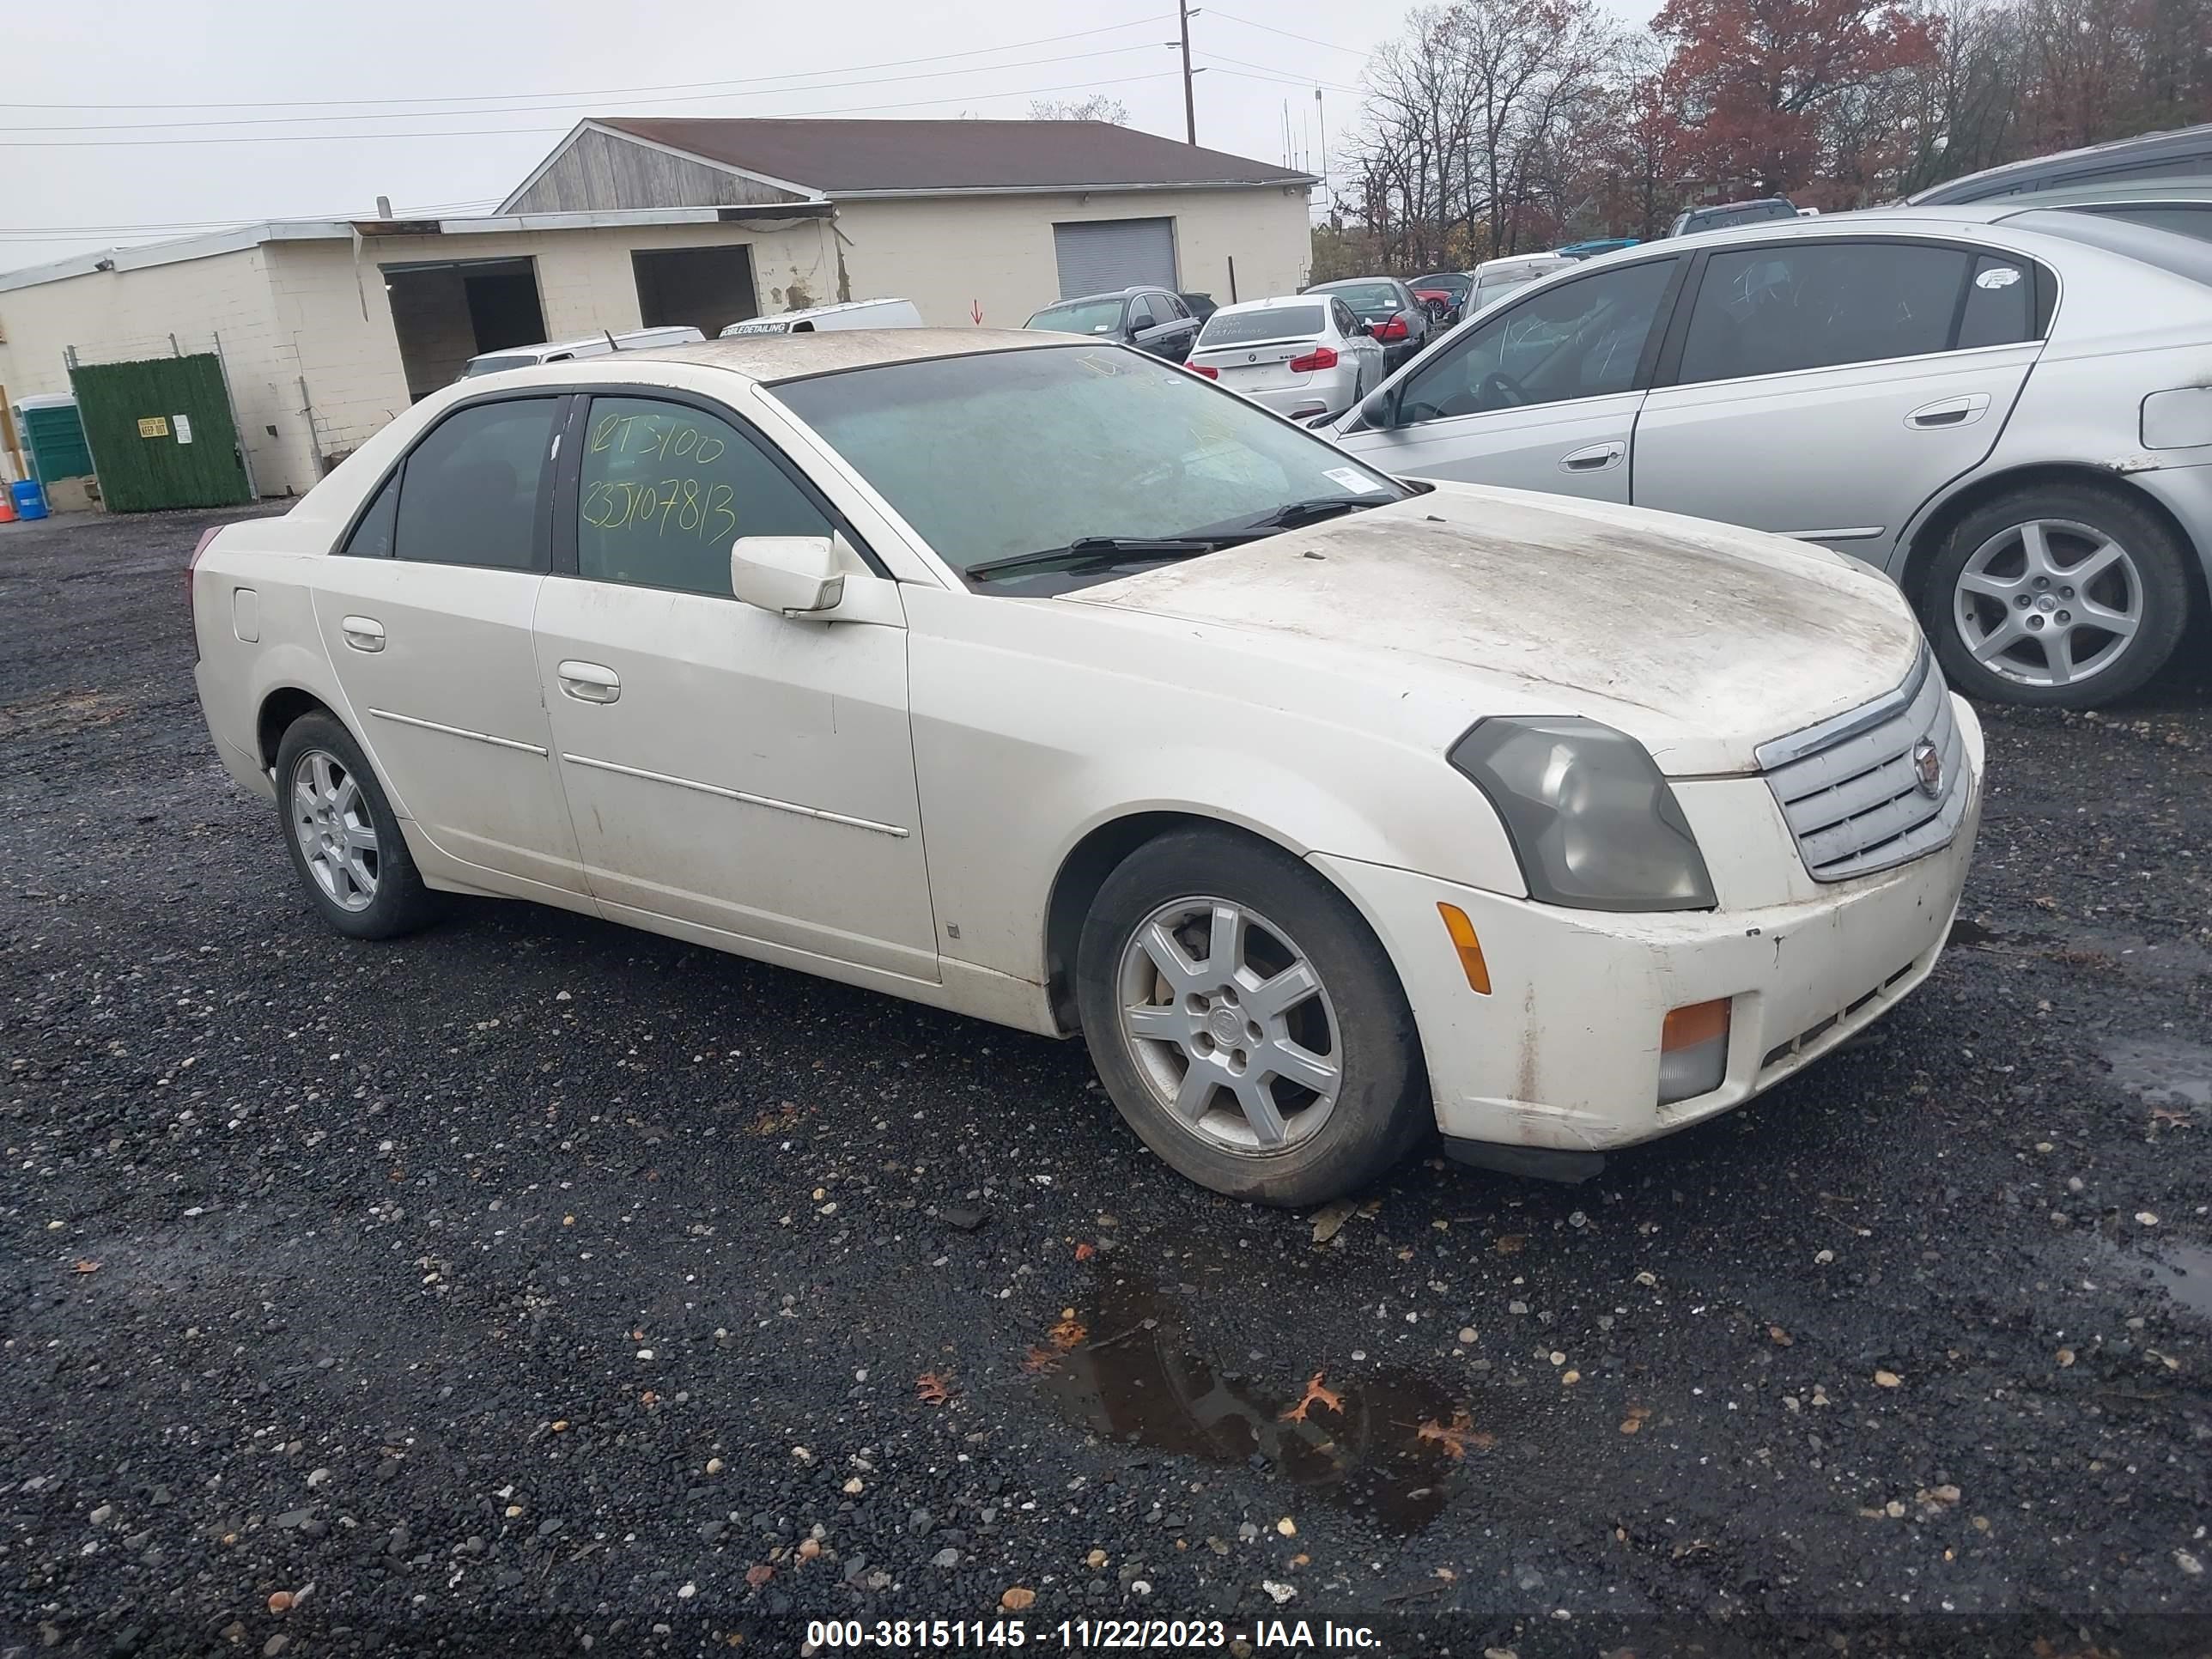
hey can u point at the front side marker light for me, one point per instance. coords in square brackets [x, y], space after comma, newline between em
[1469, 946]
[1693, 1050]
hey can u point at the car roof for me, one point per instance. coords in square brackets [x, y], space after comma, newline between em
[1268, 304]
[1106, 294]
[771, 357]
[1519, 261]
[2196, 187]
[1348, 282]
[2083, 163]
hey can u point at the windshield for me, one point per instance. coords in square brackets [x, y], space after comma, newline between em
[1275, 322]
[1009, 453]
[1496, 288]
[1450, 280]
[1085, 317]
[1366, 297]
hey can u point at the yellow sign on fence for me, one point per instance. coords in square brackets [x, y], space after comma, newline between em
[153, 426]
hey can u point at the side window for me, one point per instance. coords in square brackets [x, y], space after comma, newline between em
[1176, 309]
[1816, 305]
[372, 536]
[1581, 339]
[1142, 313]
[1347, 323]
[469, 492]
[667, 488]
[2000, 308]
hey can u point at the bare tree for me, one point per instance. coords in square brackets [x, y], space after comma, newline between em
[1096, 107]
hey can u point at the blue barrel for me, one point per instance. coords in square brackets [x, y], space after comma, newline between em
[30, 499]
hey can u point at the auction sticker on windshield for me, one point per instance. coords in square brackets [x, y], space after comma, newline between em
[1358, 482]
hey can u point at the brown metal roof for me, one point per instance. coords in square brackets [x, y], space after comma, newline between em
[844, 157]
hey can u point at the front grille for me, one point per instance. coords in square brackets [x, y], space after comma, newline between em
[1851, 787]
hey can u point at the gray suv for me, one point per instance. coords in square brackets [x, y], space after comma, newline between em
[2001, 408]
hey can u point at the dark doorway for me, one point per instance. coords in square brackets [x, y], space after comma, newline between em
[709, 287]
[448, 312]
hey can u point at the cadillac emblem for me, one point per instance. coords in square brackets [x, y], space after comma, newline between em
[1927, 767]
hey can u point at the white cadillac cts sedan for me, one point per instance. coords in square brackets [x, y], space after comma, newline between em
[1044, 681]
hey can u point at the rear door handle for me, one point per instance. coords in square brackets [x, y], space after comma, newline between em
[589, 682]
[1951, 411]
[362, 632]
[1594, 459]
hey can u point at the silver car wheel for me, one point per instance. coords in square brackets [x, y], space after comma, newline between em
[1229, 1025]
[2048, 602]
[337, 837]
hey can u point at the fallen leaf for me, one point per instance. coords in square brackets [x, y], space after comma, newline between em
[809, 1548]
[83, 1266]
[1447, 1575]
[1778, 1337]
[1509, 1243]
[1069, 1332]
[1086, 1250]
[1453, 1436]
[1886, 1379]
[758, 1576]
[1328, 1220]
[2065, 1357]
[932, 1388]
[1633, 1423]
[1039, 1360]
[1301, 1560]
[1314, 1395]
[1287, 1526]
[1018, 1599]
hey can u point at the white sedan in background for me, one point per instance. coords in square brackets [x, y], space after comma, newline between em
[1034, 678]
[1301, 355]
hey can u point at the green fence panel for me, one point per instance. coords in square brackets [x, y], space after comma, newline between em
[161, 434]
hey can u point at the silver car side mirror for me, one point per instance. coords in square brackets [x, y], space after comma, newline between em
[791, 575]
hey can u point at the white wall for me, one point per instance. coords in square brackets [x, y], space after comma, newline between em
[116, 316]
[951, 253]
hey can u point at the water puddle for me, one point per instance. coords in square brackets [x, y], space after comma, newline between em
[1387, 1445]
[2182, 1271]
[2162, 1072]
[1965, 931]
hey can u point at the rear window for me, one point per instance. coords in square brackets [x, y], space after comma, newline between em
[1366, 297]
[493, 365]
[2164, 250]
[1092, 317]
[1276, 323]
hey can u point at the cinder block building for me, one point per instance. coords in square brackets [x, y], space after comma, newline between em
[327, 328]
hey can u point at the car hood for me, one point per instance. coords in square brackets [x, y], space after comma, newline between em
[1701, 640]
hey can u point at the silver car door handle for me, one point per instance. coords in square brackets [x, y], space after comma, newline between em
[1951, 411]
[589, 682]
[1596, 458]
[362, 632]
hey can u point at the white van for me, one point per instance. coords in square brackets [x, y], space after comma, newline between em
[592, 345]
[850, 313]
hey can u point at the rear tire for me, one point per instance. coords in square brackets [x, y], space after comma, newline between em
[1274, 1057]
[2014, 620]
[343, 838]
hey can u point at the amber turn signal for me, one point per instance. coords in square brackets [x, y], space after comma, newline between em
[1469, 948]
[1700, 1022]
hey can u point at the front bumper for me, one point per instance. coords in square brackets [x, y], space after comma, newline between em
[1562, 1055]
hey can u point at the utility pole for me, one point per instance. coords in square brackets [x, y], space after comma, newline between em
[1189, 98]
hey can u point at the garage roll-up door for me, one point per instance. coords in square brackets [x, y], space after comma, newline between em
[1098, 255]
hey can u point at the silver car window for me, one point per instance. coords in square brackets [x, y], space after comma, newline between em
[1580, 340]
[1816, 305]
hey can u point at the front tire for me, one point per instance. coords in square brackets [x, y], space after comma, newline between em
[2062, 597]
[343, 836]
[1247, 1022]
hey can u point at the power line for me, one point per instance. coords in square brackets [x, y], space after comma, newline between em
[505, 132]
[543, 109]
[615, 92]
[1287, 34]
[1288, 77]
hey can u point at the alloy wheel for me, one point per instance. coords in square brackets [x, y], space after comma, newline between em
[2048, 602]
[337, 837]
[1229, 1025]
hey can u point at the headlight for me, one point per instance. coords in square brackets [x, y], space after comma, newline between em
[1592, 821]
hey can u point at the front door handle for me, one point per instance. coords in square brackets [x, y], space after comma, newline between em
[1597, 457]
[589, 682]
[362, 632]
[1951, 411]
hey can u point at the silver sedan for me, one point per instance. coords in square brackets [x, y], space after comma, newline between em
[1301, 355]
[2004, 408]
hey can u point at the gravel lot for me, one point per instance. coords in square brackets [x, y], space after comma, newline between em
[533, 1286]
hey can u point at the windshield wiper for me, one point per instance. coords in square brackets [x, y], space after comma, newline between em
[1292, 514]
[1101, 550]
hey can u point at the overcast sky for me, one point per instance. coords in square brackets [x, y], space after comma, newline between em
[485, 88]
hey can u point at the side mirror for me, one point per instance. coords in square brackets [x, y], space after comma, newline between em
[1380, 411]
[791, 575]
